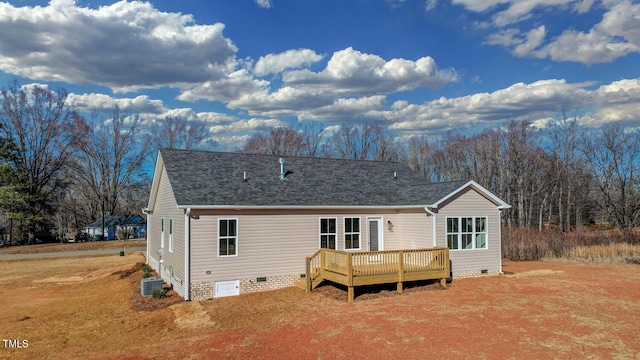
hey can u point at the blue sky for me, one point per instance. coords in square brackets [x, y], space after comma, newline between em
[422, 67]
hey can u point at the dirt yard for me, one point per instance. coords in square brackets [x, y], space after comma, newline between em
[91, 308]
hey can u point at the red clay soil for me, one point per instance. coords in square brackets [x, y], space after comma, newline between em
[536, 310]
[540, 311]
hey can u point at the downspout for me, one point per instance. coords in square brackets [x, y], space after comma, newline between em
[500, 237]
[147, 234]
[426, 209]
[187, 254]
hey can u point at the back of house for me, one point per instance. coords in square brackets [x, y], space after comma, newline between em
[222, 224]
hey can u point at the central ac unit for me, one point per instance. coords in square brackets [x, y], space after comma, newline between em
[147, 285]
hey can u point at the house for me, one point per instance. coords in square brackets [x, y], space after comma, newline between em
[227, 223]
[117, 227]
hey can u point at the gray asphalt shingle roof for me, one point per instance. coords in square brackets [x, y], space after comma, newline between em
[203, 178]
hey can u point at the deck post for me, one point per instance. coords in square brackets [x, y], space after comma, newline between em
[308, 275]
[350, 276]
[400, 270]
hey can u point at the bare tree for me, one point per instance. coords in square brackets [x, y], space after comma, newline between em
[364, 142]
[614, 158]
[314, 134]
[111, 161]
[175, 132]
[279, 141]
[44, 131]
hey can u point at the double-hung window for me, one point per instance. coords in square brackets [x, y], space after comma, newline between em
[352, 233]
[328, 233]
[162, 232]
[227, 237]
[171, 235]
[466, 233]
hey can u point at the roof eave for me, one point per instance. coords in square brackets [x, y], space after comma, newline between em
[285, 207]
[481, 189]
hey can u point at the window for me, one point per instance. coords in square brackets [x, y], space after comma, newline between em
[227, 237]
[352, 233]
[464, 233]
[171, 235]
[162, 233]
[328, 233]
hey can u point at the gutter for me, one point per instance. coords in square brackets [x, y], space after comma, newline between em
[187, 254]
[426, 209]
[289, 207]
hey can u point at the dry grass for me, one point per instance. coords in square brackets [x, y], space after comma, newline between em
[612, 253]
[65, 247]
[588, 246]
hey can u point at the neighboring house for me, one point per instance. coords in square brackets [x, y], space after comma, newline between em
[226, 223]
[116, 226]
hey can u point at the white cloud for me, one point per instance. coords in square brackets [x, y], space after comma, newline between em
[228, 88]
[131, 43]
[537, 102]
[290, 59]
[350, 77]
[267, 4]
[519, 10]
[246, 126]
[479, 5]
[105, 103]
[351, 72]
[583, 6]
[506, 38]
[430, 5]
[534, 39]
[345, 108]
[617, 34]
[519, 102]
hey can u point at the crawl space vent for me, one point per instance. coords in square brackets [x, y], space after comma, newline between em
[147, 285]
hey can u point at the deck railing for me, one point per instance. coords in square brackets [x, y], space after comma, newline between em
[377, 267]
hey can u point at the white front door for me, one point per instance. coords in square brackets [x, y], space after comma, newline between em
[375, 234]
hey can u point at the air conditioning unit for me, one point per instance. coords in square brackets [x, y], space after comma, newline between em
[147, 285]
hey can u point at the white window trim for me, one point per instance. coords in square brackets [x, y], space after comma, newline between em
[162, 233]
[460, 232]
[320, 233]
[380, 221]
[237, 238]
[345, 233]
[171, 235]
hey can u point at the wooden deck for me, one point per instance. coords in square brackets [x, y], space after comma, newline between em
[376, 267]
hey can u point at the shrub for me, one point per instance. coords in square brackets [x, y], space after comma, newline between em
[159, 293]
[146, 270]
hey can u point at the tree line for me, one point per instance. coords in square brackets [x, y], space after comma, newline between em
[60, 170]
[565, 175]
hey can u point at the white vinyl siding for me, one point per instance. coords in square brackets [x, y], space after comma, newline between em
[265, 249]
[165, 208]
[470, 203]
